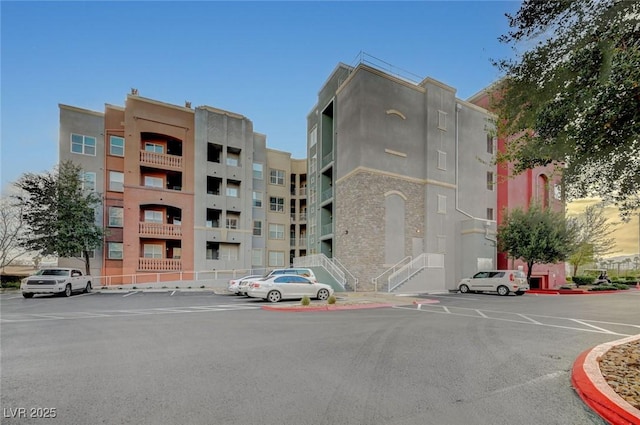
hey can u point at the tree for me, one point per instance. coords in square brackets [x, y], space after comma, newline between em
[537, 235]
[59, 213]
[12, 227]
[573, 96]
[593, 236]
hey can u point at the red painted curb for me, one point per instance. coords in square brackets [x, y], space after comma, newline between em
[324, 307]
[587, 381]
[568, 292]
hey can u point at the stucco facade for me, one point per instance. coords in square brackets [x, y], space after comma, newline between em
[399, 169]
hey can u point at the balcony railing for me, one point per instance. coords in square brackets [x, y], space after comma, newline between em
[163, 160]
[159, 264]
[326, 194]
[159, 229]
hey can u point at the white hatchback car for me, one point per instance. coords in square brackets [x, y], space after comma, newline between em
[288, 286]
[501, 281]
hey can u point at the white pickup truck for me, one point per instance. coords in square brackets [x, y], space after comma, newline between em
[56, 280]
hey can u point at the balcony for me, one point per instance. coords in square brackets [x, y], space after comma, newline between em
[161, 230]
[159, 264]
[160, 160]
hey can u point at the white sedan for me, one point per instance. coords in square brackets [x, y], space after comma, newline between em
[288, 286]
[234, 284]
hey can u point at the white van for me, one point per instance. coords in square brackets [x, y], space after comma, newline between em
[501, 281]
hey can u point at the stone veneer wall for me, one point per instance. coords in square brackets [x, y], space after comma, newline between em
[359, 209]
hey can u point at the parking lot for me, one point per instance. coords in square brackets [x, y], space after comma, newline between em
[168, 357]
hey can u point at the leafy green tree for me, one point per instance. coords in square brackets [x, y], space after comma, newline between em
[593, 236]
[536, 235]
[571, 96]
[59, 213]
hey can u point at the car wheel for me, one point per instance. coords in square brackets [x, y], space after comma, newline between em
[323, 294]
[67, 290]
[27, 295]
[87, 288]
[464, 289]
[519, 292]
[503, 290]
[274, 296]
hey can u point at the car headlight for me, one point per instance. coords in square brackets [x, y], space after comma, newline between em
[61, 280]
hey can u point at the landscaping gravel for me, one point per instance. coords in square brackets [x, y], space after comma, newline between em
[620, 367]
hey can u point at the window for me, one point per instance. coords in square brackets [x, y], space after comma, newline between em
[232, 160]
[257, 199]
[442, 120]
[89, 181]
[489, 180]
[116, 216]
[116, 181]
[276, 204]
[153, 182]
[232, 222]
[442, 204]
[276, 177]
[84, 145]
[151, 216]
[229, 252]
[490, 142]
[213, 250]
[276, 259]
[152, 250]
[313, 136]
[257, 171]
[276, 231]
[442, 160]
[116, 145]
[257, 228]
[115, 250]
[153, 147]
[489, 213]
[232, 191]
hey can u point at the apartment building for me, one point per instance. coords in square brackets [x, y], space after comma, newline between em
[184, 189]
[400, 169]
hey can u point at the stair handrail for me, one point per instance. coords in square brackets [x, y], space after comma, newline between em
[390, 270]
[402, 275]
[321, 260]
[346, 272]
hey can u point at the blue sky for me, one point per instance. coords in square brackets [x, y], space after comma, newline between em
[264, 60]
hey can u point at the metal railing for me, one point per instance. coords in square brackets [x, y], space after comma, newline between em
[159, 229]
[321, 260]
[165, 160]
[159, 264]
[389, 272]
[423, 261]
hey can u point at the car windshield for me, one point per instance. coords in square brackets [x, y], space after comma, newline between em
[53, 272]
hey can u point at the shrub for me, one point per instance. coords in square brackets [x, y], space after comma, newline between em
[332, 299]
[582, 280]
[305, 300]
[604, 288]
[13, 284]
[621, 286]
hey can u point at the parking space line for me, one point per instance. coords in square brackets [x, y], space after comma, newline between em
[592, 326]
[130, 293]
[530, 319]
[481, 314]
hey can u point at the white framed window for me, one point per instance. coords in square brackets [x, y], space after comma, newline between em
[276, 258]
[83, 145]
[257, 171]
[89, 181]
[152, 216]
[114, 250]
[442, 120]
[257, 199]
[490, 143]
[153, 147]
[232, 222]
[256, 257]
[257, 228]
[152, 250]
[232, 191]
[442, 204]
[276, 231]
[150, 181]
[442, 160]
[116, 145]
[276, 204]
[276, 177]
[233, 159]
[490, 214]
[490, 182]
[116, 216]
[116, 181]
